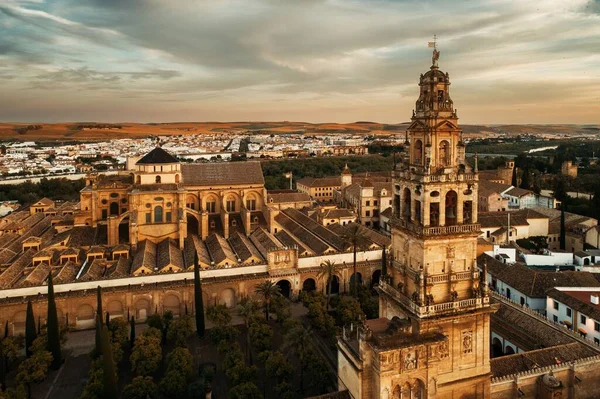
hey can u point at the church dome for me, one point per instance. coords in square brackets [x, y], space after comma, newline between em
[157, 156]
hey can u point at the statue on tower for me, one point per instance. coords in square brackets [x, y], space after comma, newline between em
[435, 57]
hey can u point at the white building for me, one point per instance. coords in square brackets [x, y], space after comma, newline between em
[578, 308]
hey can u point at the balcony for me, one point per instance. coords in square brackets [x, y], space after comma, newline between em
[417, 173]
[428, 231]
[431, 279]
[438, 309]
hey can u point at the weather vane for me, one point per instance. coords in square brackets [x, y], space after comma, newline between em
[436, 53]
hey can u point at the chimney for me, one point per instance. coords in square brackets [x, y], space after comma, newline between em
[594, 299]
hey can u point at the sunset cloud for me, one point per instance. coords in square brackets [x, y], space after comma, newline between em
[510, 61]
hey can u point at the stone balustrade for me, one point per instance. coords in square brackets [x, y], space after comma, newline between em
[437, 309]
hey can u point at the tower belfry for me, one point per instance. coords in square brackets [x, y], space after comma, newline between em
[432, 339]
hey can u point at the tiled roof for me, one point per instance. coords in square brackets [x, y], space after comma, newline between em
[320, 181]
[157, 156]
[531, 360]
[337, 213]
[94, 270]
[245, 250]
[487, 188]
[169, 256]
[222, 173]
[301, 234]
[145, 257]
[37, 276]
[264, 241]
[15, 270]
[578, 300]
[328, 236]
[518, 192]
[532, 282]
[278, 198]
[287, 240]
[67, 273]
[500, 219]
[119, 268]
[219, 250]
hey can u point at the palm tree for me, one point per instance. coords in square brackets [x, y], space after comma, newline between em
[267, 289]
[327, 269]
[355, 236]
[299, 340]
[247, 309]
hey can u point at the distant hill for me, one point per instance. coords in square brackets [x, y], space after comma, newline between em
[97, 131]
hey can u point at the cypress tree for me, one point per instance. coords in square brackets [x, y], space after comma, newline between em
[39, 330]
[30, 334]
[6, 329]
[132, 331]
[52, 327]
[514, 177]
[107, 319]
[2, 368]
[98, 335]
[99, 303]
[198, 300]
[563, 237]
[110, 375]
[526, 179]
[186, 309]
[383, 263]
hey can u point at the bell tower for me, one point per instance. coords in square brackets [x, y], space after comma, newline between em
[434, 282]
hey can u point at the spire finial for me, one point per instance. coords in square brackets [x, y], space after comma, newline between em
[436, 54]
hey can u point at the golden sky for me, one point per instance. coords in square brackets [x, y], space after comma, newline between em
[510, 61]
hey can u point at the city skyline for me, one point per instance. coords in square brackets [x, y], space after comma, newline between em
[316, 61]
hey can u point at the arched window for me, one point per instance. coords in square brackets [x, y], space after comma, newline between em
[230, 204]
[451, 203]
[418, 152]
[138, 179]
[157, 179]
[251, 203]
[444, 153]
[158, 214]
[211, 205]
[177, 178]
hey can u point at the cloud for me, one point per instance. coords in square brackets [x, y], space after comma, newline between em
[276, 60]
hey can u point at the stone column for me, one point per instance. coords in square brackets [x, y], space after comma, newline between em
[442, 208]
[459, 205]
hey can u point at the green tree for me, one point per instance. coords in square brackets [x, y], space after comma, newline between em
[355, 237]
[560, 189]
[30, 332]
[299, 341]
[247, 390]
[173, 384]
[348, 310]
[53, 327]
[99, 303]
[132, 331]
[278, 370]
[140, 388]
[563, 230]
[526, 179]
[267, 290]
[180, 330]
[34, 369]
[181, 360]
[156, 321]
[108, 366]
[514, 181]
[198, 299]
[218, 315]
[247, 309]
[261, 336]
[318, 375]
[147, 352]
[327, 269]
[2, 367]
